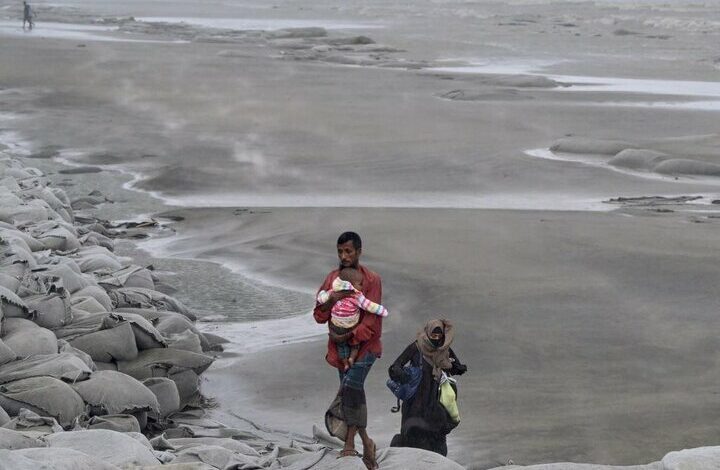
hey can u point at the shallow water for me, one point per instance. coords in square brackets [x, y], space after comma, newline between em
[66, 31]
[257, 24]
[610, 85]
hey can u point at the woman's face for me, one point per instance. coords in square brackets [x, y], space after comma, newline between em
[436, 338]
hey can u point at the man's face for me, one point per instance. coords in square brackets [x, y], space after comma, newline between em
[348, 255]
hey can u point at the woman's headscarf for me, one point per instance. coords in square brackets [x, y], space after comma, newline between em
[437, 355]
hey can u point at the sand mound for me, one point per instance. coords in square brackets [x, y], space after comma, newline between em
[683, 166]
[590, 146]
[638, 159]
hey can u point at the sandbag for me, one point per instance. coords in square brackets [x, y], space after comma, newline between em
[29, 240]
[97, 293]
[146, 336]
[131, 276]
[48, 225]
[114, 344]
[113, 447]
[96, 258]
[10, 255]
[9, 183]
[215, 342]
[46, 396]
[58, 239]
[65, 347]
[188, 385]
[6, 354]
[181, 466]
[30, 422]
[73, 281]
[12, 440]
[61, 195]
[31, 212]
[11, 305]
[63, 366]
[9, 243]
[187, 341]
[150, 314]
[109, 392]
[166, 392]
[10, 283]
[46, 458]
[45, 194]
[136, 297]
[216, 456]
[94, 238]
[230, 444]
[173, 323]
[82, 324]
[38, 281]
[29, 342]
[87, 304]
[50, 310]
[164, 362]
[4, 417]
[17, 324]
[118, 423]
[16, 270]
[105, 366]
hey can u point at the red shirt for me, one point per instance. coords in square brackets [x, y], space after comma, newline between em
[368, 330]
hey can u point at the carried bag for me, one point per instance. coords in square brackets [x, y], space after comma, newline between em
[448, 397]
[407, 390]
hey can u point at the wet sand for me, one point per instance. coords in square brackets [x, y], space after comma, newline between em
[582, 331]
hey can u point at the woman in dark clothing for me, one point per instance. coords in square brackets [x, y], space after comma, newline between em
[425, 421]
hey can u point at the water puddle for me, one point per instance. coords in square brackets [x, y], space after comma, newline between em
[580, 83]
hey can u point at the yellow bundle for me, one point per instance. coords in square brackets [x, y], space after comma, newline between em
[448, 399]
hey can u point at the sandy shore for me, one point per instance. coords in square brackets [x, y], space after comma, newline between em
[586, 325]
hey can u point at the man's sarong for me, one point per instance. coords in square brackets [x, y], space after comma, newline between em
[349, 407]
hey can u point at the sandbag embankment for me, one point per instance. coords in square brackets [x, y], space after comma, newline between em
[61, 338]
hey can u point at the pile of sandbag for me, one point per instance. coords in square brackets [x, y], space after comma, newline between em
[85, 339]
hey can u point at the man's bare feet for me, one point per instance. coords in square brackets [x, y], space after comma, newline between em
[369, 455]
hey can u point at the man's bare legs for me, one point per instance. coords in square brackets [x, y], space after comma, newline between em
[368, 447]
[349, 448]
[368, 450]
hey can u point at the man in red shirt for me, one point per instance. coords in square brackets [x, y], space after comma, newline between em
[366, 335]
